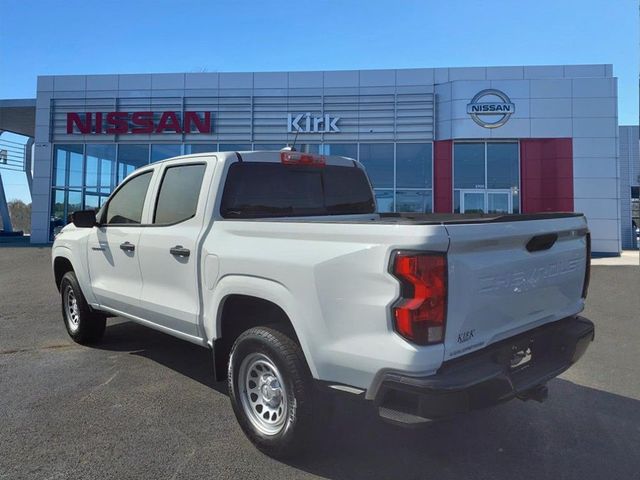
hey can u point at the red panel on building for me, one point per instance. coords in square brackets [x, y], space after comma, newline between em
[546, 171]
[443, 176]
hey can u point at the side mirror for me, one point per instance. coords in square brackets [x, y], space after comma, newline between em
[84, 218]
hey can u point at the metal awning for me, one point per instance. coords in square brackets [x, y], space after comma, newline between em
[18, 116]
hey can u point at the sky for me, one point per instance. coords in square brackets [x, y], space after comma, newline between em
[141, 36]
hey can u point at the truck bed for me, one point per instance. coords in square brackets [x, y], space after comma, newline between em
[503, 279]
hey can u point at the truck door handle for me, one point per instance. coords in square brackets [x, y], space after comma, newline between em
[127, 247]
[179, 251]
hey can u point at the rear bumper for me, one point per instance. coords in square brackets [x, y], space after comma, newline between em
[489, 376]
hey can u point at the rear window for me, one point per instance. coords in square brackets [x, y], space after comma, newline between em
[260, 190]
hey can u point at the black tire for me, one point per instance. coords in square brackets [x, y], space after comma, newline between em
[297, 417]
[84, 325]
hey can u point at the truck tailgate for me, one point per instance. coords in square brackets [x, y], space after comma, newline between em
[508, 277]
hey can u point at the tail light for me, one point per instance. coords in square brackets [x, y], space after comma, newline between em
[420, 313]
[587, 268]
[300, 158]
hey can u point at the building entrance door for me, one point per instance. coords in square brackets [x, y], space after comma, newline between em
[499, 201]
[486, 201]
[472, 201]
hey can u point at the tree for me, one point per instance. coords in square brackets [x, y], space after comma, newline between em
[20, 214]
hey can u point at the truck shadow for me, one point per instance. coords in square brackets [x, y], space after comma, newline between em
[580, 432]
[183, 357]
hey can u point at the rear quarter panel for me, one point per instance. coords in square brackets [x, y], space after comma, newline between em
[332, 280]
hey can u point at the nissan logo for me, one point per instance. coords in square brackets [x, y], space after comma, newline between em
[494, 111]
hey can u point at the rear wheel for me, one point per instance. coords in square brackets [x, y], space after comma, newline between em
[271, 391]
[83, 324]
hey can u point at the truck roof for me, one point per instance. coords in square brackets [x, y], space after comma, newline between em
[260, 156]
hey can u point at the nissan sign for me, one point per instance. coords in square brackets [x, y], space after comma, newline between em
[490, 108]
[305, 123]
[120, 123]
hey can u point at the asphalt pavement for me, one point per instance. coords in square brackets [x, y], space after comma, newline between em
[144, 405]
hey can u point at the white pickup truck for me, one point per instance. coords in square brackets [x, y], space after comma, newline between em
[278, 263]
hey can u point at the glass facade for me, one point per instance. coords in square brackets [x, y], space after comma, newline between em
[234, 147]
[69, 183]
[68, 165]
[99, 175]
[131, 157]
[486, 177]
[85, 175]
[401, 174]
[162, 151]
[378, 160]
[342, 149]
[414, 177]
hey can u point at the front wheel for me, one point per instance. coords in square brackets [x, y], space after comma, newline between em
[83, 324]
[271, 391]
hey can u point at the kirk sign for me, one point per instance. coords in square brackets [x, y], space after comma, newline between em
[305, 123]
[122, 123]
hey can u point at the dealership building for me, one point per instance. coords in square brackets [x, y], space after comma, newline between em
[493, 139]
[629, 155]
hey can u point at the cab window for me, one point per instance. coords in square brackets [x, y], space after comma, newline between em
[264, 189]
[125, 207]
[178, 195]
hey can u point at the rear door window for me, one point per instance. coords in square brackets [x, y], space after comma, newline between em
[259, 190]
[179, 192]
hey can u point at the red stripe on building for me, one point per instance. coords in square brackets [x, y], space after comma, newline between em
[546, 171]
[443, 176]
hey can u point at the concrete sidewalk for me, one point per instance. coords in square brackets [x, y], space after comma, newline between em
[628, 257]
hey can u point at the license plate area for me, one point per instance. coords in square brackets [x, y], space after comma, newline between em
[520, 359]
[517, 356]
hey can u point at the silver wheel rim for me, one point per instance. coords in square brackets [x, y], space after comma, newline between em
[71, 309]
[262, 394]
